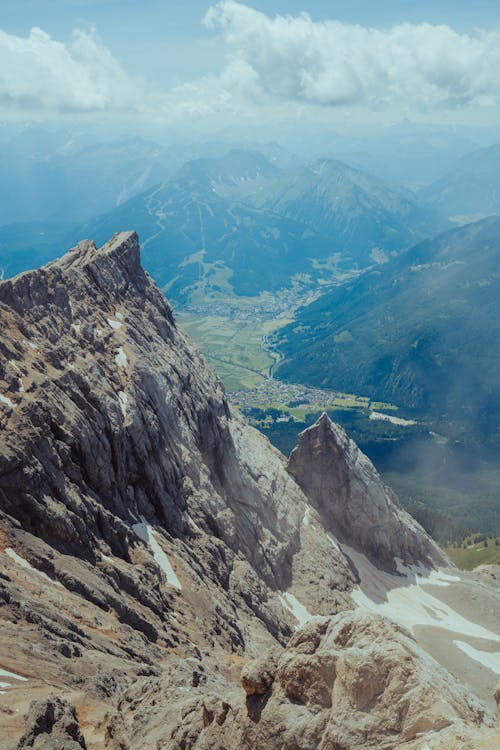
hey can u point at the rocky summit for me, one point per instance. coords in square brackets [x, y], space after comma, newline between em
[169, 581]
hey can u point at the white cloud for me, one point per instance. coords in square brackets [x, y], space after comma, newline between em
[40, 73]
[334, 64]
[276, 67]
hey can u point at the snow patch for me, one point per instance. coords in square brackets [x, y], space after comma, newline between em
[21, 386]
[32, 345]
[334, 542]
[77, 327]
[145, 532]
[403, 600]
[121, 358]
[377, 415]
[115, 324]
[486, 658]
[6, 400]
[292, 604]
[119, 316]
[123, 399]
[305, 520]
[420, 574]
[10, 676]
[27, 566]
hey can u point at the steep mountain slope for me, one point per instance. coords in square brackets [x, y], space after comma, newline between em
[239, 172]
[153, 547]
[470, 190]
[424, 334]
[198, 235]
[46, 176]
[367, 220]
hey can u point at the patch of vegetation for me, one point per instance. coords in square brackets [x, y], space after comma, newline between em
[234, 345]
[476, 549]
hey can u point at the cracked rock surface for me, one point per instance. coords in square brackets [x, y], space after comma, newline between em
[158, 557]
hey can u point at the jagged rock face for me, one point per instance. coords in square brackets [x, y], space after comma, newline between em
[52, 723]
[110, 422]
[353, 502]
[159, 525]
[354, 681]
[110, 416]
[152, 545]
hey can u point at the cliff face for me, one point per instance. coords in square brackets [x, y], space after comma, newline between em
[118, 417]
[355, 505]
[151, 543]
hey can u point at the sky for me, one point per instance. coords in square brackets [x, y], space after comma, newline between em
[228, 62]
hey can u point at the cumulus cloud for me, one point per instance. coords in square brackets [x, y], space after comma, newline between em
[275, 64]
[334, 64]
[38, 72]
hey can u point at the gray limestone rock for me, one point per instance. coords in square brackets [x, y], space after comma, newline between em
[344, 487]
[51, 724]
[156, 555]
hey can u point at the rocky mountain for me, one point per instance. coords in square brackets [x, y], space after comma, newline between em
[470, 189]
[338, 479]
[367, 220]
[168, 581]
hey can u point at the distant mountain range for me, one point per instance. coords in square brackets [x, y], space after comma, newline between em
[424, 333]
[470, 190]
[367, 219]
[47, 174]
[244, 223]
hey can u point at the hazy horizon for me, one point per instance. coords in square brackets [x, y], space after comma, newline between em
[211, 70]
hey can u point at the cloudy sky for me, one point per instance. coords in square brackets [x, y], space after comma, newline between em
[176, 61]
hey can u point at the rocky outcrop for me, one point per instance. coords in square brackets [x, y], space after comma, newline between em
[51, 724]
[352, 500]
[353, 681]
[101, 399]
[159, 525]
[156, 556]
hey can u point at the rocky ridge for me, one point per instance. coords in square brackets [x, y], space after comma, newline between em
[342, 484]
[153, 546]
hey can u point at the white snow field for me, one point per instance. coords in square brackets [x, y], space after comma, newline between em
[148, 535]
[292, 604]
[403, 599]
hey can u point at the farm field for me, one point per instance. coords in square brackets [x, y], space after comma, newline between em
[235, 347]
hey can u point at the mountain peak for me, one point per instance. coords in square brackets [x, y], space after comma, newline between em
[111, 270]
[342, 484]
[121, 252]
